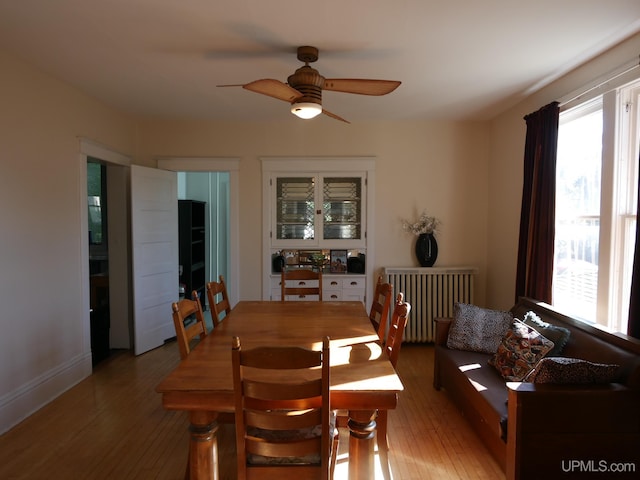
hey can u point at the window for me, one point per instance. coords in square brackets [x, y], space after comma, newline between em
[596, 198]
[97, 191]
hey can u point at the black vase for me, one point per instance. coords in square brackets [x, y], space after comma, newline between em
[426, 249]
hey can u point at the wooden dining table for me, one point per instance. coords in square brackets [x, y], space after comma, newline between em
[363, 380]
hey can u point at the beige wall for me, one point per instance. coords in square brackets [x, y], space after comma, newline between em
[440, 167]
[44, 345]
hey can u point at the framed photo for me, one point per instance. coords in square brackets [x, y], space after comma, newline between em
[307, 257]
[338, 261]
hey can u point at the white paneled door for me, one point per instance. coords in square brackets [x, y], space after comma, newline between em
[154, 238]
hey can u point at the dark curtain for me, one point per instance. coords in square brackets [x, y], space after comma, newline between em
[633, 328]
[537, 218]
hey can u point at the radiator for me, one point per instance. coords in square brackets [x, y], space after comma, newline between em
[432, 293]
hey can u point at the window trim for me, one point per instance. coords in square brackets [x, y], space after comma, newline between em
[619, 183]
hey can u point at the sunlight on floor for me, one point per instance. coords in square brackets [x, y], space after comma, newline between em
[342, 461]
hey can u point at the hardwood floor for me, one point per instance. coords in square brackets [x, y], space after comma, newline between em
[112, 426]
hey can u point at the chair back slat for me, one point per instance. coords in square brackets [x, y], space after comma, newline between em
[379, 312]
[184, 311]
[396, 329]
[218, 300]
[301, 283]
[283, 418]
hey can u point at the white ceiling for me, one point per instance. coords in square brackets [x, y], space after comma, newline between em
[457, 59]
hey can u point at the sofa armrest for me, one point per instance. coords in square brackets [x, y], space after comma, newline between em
[551, 425]
[442, 330]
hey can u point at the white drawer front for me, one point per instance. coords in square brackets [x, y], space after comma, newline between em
[353, 295]
[353, 282]
[275, 282]
[332, 295]
[332, 283]
[301, 298]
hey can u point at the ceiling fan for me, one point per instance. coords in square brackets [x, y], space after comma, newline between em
[303, 89]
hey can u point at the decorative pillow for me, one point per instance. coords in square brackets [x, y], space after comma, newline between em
[563, 370]
[521, 349]
[558, 335]
[477, 329]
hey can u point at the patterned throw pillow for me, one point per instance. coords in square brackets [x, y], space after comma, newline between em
[520, 350]
[558, 335]
[563, 370]
[477, 329]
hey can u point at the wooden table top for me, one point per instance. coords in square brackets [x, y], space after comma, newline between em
[361, 375]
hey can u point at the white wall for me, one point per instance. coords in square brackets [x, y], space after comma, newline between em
[44, 345]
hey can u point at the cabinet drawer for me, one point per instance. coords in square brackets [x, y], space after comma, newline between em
[331, 283]
[353, 295]
[301, 298]
[302, 283]
[331, 295]
[353, 282]
[275, 282]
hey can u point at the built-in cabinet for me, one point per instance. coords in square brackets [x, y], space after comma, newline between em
[318, 210]
[192, 246]
[317, 213]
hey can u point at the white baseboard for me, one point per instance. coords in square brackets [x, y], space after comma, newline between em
[18, 404]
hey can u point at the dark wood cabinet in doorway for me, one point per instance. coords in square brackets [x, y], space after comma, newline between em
[192, 239]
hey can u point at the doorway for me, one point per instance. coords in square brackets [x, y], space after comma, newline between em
[216, 181]
[121, 300]
[212, 188]
[97, 207]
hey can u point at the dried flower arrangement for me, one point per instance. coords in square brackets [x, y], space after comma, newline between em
[425, 224]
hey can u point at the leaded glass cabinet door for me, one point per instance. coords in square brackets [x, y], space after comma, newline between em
[342, 209]
[318, 210]
[295, 210]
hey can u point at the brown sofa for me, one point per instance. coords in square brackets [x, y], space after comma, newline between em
[550, 430]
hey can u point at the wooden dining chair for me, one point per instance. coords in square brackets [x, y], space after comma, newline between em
[379, 311]
[284, 427]
[189, 312]
[301, 283]
[218, 300]
[186, 311]
[392, 347]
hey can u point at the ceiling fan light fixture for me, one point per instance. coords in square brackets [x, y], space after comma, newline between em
[306, 110]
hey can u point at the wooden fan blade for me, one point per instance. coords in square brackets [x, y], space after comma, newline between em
[361, 86]
[274, 88]
[333, 115]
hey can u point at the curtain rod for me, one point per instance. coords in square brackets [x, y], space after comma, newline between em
[608, 77]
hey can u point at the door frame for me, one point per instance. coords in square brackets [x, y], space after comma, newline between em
[218, 164]
[121, 258]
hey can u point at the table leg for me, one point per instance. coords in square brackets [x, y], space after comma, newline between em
[362, 430]
[203, 446]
